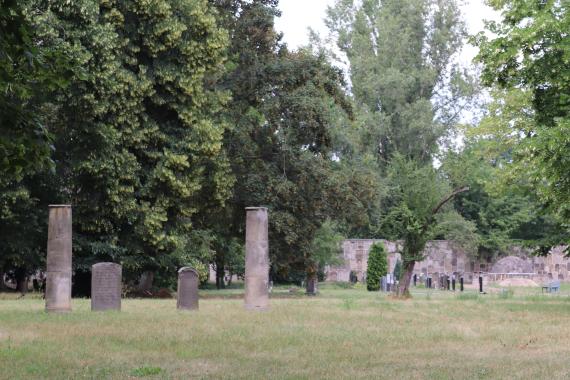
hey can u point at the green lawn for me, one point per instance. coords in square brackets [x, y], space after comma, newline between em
[342, 333]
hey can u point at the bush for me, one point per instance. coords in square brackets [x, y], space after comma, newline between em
[377, 266]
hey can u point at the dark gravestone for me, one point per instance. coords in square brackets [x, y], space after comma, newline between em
[106, 286]
[415, 279]
[461, 283]
[448, 281]
[188, 281]
[480, 284]
[453, 283]
[429, 282]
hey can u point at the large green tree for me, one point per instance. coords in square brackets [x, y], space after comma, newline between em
[410, 94]
[529, 54]
[285, 112]
[138, 140]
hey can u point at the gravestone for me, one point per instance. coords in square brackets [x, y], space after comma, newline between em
[461, 284]
[384, 283]
[453, 283]
[312, 285]
[106, 286]
[188, 281]
[59, 251]
[415, 279]
[256, 259]
[480, 284]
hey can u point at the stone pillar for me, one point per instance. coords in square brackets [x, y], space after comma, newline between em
[256, 259]
[58, 283]
[187, 293]
[480, 284]
[461, 284]
[106, 286]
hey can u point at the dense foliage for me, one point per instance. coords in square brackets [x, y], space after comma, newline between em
[160, 122]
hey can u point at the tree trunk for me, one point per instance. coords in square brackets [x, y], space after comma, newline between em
[145, 281]
[21, 281]
[220, 273]
[406, 279]
[311, 281]
[2, 283]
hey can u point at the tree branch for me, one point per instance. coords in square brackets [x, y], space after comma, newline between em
[441, 203]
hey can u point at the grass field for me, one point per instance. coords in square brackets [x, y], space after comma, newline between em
[342, 333]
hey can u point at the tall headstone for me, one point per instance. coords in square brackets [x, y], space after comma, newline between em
[256, 259]
[106, 286]
[188, 281]
[480, 284]
[453, 282]
[461, 284]
[415, 279]
[59, 251]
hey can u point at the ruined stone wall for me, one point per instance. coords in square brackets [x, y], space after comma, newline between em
[445, 257]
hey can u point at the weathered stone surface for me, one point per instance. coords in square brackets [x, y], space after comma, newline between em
[106, 286]
[512, 264]
[256, 259]
[59, 253]
[443, 257]
[188, 281]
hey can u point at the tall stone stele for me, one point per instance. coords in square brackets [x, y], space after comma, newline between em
[187, 294]
[59, 251]
[106, 286]
[256, 259]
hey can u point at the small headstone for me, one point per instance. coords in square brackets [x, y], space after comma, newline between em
[461, 283]
[480, 284]
[188, 281]
[453, 283]
[106, 286]
[415, 279]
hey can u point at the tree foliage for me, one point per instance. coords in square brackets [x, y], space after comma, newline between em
[528, 56]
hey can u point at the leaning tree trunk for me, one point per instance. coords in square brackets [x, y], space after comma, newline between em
[406, 278]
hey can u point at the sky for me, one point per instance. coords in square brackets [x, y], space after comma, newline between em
[298, 15]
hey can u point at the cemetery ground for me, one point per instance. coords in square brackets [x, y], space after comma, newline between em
[341, 333]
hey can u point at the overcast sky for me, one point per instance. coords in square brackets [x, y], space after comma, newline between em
[298, 15]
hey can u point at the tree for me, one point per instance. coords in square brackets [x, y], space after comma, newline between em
[285, 110]
[29, 73]
[326, 247]
[411, 95]
[138, 137]
[417, 195]
[377, 266]
[529, 55]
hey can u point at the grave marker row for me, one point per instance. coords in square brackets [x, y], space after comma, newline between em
[106, 278]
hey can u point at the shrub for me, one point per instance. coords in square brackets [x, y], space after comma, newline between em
[377, 266]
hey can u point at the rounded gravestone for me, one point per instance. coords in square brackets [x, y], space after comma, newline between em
[106, 286]
[188, 280]
[59, 252]
[256, 259]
